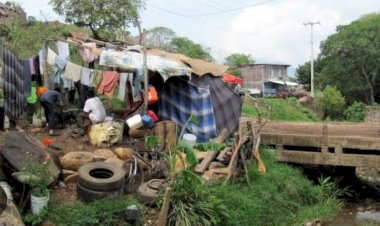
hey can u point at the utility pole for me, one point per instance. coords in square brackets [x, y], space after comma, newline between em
[312, 56]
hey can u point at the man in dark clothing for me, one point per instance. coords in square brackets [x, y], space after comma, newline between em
[48, 100]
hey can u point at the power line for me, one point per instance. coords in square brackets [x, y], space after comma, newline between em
[169, 11]
[230, 10]
[211, 13]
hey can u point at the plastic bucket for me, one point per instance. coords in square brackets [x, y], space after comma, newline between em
[135, 122]
[190, 138]
[37, 203]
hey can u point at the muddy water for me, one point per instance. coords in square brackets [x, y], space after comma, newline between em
[362, 208]
[358, 214]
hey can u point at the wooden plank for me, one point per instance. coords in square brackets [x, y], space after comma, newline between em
[355, 160]
[318, 141]
[162, 218]
[200, 168]
[221, 156]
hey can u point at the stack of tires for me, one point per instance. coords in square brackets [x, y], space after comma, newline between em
[100, 180]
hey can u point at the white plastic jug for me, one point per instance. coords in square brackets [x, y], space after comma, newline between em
[190, 138]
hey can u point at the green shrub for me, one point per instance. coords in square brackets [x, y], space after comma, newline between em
[192, 203]
[355, 112]
[100, 212]
[282, 196]
[332, 103]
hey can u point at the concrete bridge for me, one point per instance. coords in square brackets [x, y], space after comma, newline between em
[339, 144]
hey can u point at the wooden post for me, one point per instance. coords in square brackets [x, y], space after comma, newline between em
[162, 217]
[145, 72]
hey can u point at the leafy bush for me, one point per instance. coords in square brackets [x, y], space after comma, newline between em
[332, 103]
[192, 203]
[282, 196]
[355, 112]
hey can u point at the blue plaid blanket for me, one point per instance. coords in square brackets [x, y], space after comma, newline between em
[181, 100]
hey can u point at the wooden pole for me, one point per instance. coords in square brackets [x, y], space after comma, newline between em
[145, 72]
[163, 216]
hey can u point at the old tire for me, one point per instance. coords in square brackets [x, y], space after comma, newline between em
[101, 176]
[88, 195]
[146, 194]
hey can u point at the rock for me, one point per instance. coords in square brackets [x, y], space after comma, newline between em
[73, 178]
[361, 208]
[103, 154]
[119, 162]
[124, 153]
[74, 160]
[216, 165]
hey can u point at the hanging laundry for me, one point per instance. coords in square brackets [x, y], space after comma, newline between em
[122, 85]
[108, 83]
[87, 55]
[51, 57]
[72, 72]
[87, 77]
[59, 67]
[135, 87]
[14, 95]
[41, 55]
[27, 77]
[38, 76]
[32, 68]
[98, 76]
[63, 49]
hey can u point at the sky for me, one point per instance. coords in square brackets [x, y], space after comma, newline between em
[271, 31]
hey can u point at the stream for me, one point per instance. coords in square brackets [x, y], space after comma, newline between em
[361, 208]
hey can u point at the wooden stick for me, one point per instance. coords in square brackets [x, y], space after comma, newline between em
[233, 161]
[162, 217]
[245, 167]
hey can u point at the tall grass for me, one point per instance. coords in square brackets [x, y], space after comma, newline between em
[282, 196]
[282, 110]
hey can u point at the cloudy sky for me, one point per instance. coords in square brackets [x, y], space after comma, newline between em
[272, 31]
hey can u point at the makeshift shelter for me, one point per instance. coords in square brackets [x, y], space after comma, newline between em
[186, 86]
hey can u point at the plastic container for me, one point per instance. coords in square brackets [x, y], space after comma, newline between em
[135, 122]
[37, 203]
[190, 138]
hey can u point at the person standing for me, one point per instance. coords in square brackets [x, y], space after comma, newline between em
[48, 100]
[93, 112]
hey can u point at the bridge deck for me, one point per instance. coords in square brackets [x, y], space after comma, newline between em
[338, 144]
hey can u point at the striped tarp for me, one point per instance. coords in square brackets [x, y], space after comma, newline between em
[14, 95]
[180, 100]
[226, 103]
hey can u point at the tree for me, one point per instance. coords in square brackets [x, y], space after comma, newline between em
[236, 60]
[332, 103]
[160, 37]
[303, 73]
[102, 17]
[189, 48]
[352, 59]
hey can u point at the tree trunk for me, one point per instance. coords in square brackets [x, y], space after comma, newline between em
[371, 93]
